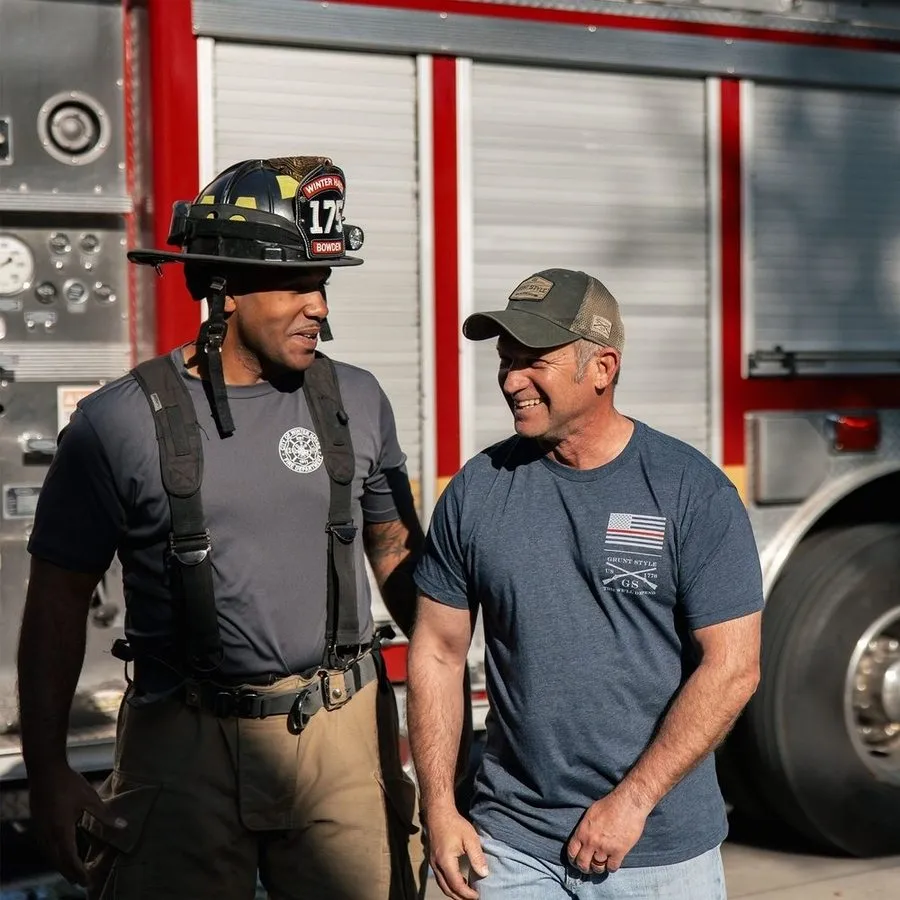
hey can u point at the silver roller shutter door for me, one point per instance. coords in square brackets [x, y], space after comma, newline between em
[604, 173]
[359, 109]
[824, 202]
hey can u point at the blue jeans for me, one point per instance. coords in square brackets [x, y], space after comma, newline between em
[513, 875]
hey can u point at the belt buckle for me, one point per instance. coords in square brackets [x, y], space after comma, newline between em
[335, 692]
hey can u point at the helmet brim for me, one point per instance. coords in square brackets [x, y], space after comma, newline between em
[161, 257]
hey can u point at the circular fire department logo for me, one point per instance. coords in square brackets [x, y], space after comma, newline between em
[300, 450]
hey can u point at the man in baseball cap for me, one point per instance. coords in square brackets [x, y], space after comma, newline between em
[617, 578]
[553, 307]
[574, 321]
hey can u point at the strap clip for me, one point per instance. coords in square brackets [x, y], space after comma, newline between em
[215, 336]
[243, 704]
[345, 533]
[249, 705]
[190, 549]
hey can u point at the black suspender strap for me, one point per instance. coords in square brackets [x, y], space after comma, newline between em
[323, 397]
[181, 465]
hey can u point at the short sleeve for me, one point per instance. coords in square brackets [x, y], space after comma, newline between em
[79, 516]
[441, 573]
[389, 472]
[719, 573]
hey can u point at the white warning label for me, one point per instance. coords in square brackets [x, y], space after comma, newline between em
[67, 397]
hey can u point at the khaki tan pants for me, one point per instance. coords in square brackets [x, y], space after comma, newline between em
[324, 815]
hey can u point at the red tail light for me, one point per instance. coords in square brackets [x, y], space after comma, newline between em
[855, 434]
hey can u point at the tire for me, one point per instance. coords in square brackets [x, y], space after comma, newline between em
[797, 745]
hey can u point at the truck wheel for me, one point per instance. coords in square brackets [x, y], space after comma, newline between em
[821, 736]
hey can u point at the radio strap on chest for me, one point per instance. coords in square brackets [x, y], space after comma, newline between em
[181, 465]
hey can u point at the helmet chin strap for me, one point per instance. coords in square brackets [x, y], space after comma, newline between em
[209, 342]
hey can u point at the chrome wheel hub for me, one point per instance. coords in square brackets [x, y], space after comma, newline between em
[872, 697]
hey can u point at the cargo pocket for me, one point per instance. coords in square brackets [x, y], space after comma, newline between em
[113, 862]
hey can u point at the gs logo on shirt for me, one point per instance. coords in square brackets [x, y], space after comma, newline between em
[630, 574]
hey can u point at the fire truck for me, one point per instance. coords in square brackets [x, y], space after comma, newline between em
[726, 167]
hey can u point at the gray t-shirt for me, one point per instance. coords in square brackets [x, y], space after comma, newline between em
[265, 496]
[589, 583]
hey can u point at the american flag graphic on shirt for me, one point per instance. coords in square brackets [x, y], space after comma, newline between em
[627, 531]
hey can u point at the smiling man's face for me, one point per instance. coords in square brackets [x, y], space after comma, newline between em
[280, 325]
[540, 386]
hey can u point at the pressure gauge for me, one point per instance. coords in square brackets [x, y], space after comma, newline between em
[16, 265]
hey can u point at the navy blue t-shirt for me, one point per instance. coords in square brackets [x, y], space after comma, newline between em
[589, 583]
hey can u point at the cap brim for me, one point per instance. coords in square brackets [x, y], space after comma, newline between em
[524, 327]
[161, 257]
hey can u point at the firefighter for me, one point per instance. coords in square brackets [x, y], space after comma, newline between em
[242, 480]
[620, 590]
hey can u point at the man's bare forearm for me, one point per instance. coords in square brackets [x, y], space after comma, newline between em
[699, 719]
[394, 549]
[435, 718]
[51, 654]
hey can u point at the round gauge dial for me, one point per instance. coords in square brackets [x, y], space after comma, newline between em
[16, 265]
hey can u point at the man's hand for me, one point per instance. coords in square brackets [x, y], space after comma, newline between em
[450, 838]
[58, 799]
[606, 833]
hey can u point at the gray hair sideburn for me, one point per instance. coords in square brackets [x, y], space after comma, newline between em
[585, 351]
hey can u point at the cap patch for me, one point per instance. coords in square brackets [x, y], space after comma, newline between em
[534, 288]
[601, 325]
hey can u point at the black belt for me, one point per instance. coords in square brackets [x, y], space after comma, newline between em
[330, 688]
